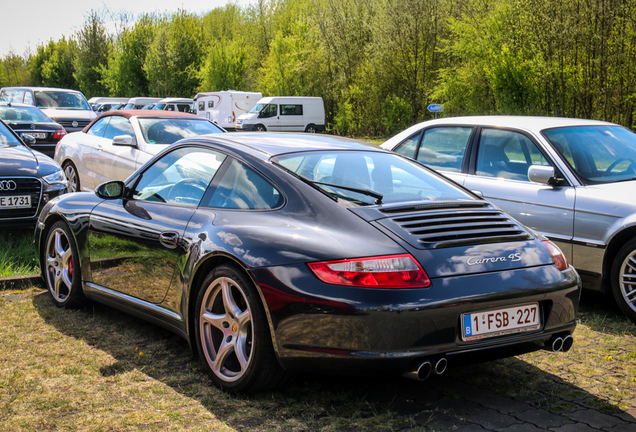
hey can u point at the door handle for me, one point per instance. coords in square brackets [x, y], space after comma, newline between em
[169, 239]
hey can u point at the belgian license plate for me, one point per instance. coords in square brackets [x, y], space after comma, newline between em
[38, 135]
[15, 201]
[498, 322]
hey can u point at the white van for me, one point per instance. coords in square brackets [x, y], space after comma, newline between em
[285, 114]
[175, 104]
[140, 102]
[224, 107]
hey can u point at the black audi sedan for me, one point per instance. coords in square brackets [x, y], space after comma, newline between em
[274, 253]
[30, 120]
[28, 180]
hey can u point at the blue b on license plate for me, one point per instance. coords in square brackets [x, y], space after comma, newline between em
[498, 322]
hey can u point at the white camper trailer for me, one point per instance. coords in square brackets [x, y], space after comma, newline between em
[285, 114]
[224, 107]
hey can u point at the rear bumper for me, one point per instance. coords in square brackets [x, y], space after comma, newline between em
[356, 330]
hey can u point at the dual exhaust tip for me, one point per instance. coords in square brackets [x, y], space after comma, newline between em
[427, 367]
[556, 343]
[559, 343]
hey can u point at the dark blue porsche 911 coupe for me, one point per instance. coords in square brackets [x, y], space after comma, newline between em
[273, 253]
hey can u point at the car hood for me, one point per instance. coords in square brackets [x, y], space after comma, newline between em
[18, 161]
[69, 114]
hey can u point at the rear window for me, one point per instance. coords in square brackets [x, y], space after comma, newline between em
[370, 177]
[22, 114]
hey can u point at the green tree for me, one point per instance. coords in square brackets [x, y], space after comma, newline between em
[175, 56]
[225, 66]
[94, 46]
[125, 74]
[16, 70]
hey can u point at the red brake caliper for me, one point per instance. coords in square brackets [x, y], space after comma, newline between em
[70, 267]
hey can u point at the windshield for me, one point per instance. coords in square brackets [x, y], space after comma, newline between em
[373, 174]
[6, 137]
[23, 114]
[169, 130]
[598, 154]
[60, 100]
[257, 108]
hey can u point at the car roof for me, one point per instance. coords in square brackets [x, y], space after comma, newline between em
[42, 88]
[17, 104]
[268, 144]
[534, 124]
[141, 113]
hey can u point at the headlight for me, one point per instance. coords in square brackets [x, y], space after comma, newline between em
[56, 178]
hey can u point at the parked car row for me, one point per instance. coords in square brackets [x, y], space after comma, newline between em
[455, 241]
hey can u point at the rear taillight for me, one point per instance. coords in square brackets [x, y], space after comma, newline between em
[395, 271]
[59, 134]
[557, 255]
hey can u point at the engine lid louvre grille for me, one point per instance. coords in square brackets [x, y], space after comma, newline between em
[444, 225]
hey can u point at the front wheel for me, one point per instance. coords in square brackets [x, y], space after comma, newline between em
[232, 334]
[62, 271]
[260, 128]
[624, 279]
[72, 176]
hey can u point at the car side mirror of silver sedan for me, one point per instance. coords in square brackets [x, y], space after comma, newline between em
[125, 140]
[542, 174]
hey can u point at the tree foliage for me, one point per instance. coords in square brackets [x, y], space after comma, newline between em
[377, 64]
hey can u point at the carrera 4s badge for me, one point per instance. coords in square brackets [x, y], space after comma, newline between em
[513, 257]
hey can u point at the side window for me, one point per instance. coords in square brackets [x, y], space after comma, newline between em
[443, 148]
[291, 110]
[180, 177]
[118, 126]
[269, 111]
[243, 188]
[408, 147]
[507, 154]
[99, 127]
[28, 98]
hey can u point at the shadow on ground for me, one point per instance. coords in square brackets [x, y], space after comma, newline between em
[508, 394]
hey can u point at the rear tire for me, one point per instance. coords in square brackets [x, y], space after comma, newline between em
[62, 273]
[311, 128]
[72, 176]
[624, 279]
[232, 333]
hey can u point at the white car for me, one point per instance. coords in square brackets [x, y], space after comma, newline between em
[117, 143]
[572, 180]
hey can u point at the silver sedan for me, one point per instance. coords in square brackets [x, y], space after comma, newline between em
[572, 180]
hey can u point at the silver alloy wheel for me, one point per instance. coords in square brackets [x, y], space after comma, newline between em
[71, 176]
[225, 329]
[59, 265]
[628, 280]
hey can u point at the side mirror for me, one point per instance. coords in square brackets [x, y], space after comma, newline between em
[28, 139]
[111, 190]
[542, 174]
[125, 140]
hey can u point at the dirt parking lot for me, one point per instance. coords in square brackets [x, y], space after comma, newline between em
[98, 369]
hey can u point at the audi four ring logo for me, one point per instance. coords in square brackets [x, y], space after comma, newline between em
[7, 185]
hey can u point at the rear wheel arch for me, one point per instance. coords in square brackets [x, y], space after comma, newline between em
[197, 283]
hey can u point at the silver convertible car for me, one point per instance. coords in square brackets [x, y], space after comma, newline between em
[572, 180]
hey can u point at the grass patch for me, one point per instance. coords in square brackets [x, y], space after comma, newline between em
[98, 369]
[18, 256]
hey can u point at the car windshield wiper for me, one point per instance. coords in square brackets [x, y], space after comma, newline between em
[377, 195]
